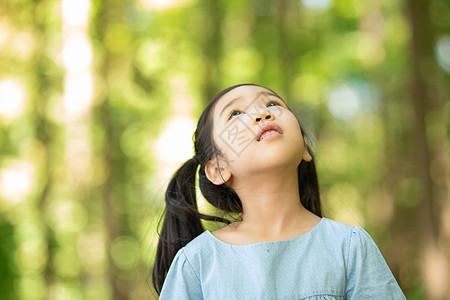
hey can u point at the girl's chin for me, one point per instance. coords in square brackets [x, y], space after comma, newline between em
[276, 158]
[271, 151]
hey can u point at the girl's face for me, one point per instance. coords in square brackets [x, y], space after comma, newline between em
[238, 119]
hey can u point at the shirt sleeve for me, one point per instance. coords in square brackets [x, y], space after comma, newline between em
[181, 282]
[368, 275]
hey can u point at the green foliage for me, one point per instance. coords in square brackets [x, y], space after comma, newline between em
[85, 159]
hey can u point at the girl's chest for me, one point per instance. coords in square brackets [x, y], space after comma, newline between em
[272, 274]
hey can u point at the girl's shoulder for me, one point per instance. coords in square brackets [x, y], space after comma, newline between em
[338, 228]
[198, 244]
[347, 234]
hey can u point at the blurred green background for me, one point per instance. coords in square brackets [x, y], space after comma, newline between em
[99, 101]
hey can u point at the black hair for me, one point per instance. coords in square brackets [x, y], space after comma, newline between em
[182, 220]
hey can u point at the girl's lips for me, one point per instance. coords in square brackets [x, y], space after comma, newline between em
[268, 127]
[270, 136]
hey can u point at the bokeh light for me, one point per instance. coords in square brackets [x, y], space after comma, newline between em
[4, 32]
[343, 102]
[92, 252]
[442, 52]
[175, 142]
[370, 50]
[160, 4]
[16, 181]
[12, 98]
[316, 4]
[76, 53]
[76, 59]
[75, 13]
[65, 216]
[124, 252]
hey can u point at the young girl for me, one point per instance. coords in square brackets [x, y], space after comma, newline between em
[255, 163]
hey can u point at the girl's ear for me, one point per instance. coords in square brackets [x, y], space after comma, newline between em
[306, 155]
[216, 174]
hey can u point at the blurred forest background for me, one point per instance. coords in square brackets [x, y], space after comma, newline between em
[99, 100]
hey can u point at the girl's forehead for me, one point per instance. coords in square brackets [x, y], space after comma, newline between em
[246, 91]
[243, 91]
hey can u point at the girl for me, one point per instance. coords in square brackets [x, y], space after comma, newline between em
[254, 162]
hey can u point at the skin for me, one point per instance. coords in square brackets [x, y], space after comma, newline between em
[264, 175]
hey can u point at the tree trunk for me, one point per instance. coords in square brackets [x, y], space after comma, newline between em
[426, 101]
[111, 152]
[45, 134]
[212, 48]
[286, 59]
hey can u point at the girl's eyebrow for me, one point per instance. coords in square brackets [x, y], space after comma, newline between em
[230, 103]
[237, 98]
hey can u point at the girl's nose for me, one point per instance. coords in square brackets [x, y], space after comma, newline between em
[263, 114]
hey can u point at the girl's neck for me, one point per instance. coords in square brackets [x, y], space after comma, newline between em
[251, 231]
[273, 223]
[271, 206]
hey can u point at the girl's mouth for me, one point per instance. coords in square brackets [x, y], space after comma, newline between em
[268, 135]
[269, 128]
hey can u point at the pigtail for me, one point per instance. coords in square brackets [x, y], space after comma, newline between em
[182, 220]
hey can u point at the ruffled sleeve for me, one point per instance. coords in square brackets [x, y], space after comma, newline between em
[368, 275]
[181, 282]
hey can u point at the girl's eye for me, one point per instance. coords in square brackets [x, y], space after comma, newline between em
[232, 114]
[274, 102]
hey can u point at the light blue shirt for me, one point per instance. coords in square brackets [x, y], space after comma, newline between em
[331, 261]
